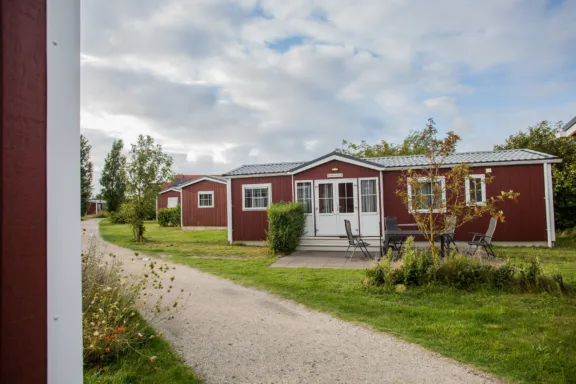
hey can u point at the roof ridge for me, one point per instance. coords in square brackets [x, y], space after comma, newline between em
[455, 153]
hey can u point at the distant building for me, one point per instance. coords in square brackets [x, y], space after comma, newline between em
[569, 129]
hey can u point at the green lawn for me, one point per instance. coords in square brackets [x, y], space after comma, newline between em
[176, 242]
[522, 337]
[136, 367]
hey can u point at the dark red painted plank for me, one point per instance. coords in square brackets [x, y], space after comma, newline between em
[23, 322]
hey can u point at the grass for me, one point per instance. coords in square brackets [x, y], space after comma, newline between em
[136, 367]
[176, 242]
[525, 338]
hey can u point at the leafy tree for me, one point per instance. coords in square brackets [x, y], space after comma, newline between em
[434, 192]
[113, 179]
[86, 171]
[148, 168]
[542, 137]
[416, 143]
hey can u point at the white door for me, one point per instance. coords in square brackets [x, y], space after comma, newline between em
[336, 201]
[326, 214]
[304, 196]
[369, 207]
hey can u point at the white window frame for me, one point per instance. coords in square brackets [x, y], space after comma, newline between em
[467, 188]
[311, 192]
[427, 179]
[211, 193]
[256, 186]
[171, 199]
[360, 180]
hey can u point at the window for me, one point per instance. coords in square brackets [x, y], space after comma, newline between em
[369, 196]
[326, 198]
[346, 197]
[304, 195]
[172, 202]
[256, 197]
[206, 199]
[476, 190]
[428, 196]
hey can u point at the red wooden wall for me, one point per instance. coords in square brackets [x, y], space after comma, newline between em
[525, 221]
[193, 216]
[348, 170]
[23, 242]
[251, 225]
[163, 198]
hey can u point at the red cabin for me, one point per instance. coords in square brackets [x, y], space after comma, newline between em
[336, 187]
[204, 203]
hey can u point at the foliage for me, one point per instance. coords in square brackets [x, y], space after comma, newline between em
[113, 179]
[148, 168]
[415, 143]
[286, 224]
[110, 325]
[465, 273]
[169, 217]
[152, 363]
[86, 171]
[102, 214]
[434, 192]
[542, 137]
[121, 215]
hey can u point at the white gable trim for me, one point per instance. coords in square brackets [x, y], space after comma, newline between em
[170, 189]
[203, 178]
[569, 132]
[339, 158]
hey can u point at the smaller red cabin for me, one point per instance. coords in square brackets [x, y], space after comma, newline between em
[203, 203]
[95, 206]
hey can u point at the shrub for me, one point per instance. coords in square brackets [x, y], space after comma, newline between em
[120, 216]
[110, 325]
[286, 223]
[169, 217]
[101, 214]
[465, 273]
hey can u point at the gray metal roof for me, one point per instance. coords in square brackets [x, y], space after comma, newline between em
[258, 169]
[569, 124]
[478, 157]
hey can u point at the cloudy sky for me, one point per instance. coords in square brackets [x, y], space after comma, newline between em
[221, 83]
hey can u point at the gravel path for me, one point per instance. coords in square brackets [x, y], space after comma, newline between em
[232, 334]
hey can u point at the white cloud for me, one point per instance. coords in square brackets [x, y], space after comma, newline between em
[199, 76]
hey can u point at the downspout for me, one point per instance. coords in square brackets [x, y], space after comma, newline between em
[181, 210]
[549, 225]
[156, 208]
[551, 199]
[229, 206]
[381, 202]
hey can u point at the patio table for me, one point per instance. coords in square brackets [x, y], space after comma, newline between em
[407, 233]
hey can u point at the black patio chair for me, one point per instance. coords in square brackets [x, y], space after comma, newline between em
[483, 240]
[449, 232]
[355, 242]
[394, 242]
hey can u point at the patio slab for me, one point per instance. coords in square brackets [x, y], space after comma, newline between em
[321, 259]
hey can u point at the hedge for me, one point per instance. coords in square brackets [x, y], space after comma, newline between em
[286, 222]
[169, 217]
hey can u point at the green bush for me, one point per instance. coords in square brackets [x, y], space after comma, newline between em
[465, 273]
[169, 217]
[120, 216]
[286, 222]
[101, 214]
